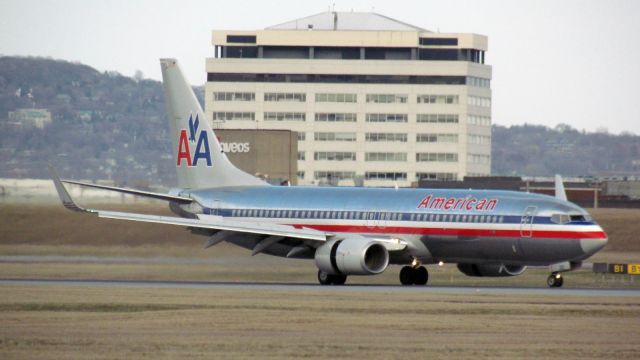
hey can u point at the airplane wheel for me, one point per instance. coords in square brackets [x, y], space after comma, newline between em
[420, 276]
[406, 275]
[339, 279]
[324, 278]
[555, 280]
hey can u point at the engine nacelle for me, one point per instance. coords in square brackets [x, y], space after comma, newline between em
[491, 270]
[352, 256]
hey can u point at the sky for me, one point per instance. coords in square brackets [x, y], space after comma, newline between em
[572, 62]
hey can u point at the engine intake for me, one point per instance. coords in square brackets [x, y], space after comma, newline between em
[491, 270]
[352, 256]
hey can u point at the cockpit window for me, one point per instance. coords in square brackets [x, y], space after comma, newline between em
[567, 218]
[580, 217]
[560, 218]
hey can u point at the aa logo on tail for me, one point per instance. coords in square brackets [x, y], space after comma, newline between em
[202, 149]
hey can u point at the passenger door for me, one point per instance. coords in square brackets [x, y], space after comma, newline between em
[526, 224]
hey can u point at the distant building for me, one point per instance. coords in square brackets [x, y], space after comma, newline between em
[373, 100]
[31, 117]
[269, 154]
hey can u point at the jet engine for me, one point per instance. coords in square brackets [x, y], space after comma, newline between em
[352, 256]
[491, 270]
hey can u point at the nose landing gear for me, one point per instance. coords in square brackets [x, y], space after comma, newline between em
[555, 280]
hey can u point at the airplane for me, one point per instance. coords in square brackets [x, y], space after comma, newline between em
[356, 231]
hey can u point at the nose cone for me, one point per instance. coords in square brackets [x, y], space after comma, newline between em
[592, 246]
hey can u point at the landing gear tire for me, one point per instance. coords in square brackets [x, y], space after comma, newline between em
[339, 279]
[555, 280]
[411, 276]
[420, 276]
[329, 279]
[406, 275]
[324, 278]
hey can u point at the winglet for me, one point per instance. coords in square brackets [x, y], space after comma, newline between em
[66, 199]
[560, 192]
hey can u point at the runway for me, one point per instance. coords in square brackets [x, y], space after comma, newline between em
[454, 290]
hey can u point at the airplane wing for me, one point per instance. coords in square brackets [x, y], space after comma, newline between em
[202, 222]
[159, 196]
[217, 223]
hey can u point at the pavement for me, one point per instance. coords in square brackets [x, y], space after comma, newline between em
[297, 287]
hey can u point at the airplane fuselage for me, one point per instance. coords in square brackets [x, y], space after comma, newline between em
[461, 226]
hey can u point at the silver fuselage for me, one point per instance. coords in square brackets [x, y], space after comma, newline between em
[461, 226]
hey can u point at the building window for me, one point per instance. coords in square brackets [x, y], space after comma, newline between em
[478, 82]
[479, 101]
[479, 159]
[478, 120]
[387, 118]
[302, 155]
[479, 139]
[334, 175]
[471, 55]
[300, 175]
[437, 99]
[437, 118]
[284, 116]
[436, 176]
[336, 117]
[233, 96]
[385, 156]
[328, 78]
[436, 157]
[228, 116]
[335, 136]
[437, 138]
[439, 41]
[288, 97]
[334, 156]
[240, 51]
[375, 175]
[302, 136]
[386, 98]
[247, 39]
[386, 137]
[340, 98]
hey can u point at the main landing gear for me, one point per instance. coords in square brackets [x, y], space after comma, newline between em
[331, 279]
[555, 280]
[414, 276]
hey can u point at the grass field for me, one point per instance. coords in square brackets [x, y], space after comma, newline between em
[74, 322]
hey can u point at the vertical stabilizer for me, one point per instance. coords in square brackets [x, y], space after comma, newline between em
[199, 159]
[560, 192]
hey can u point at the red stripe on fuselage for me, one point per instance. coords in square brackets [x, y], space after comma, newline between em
[456, 232]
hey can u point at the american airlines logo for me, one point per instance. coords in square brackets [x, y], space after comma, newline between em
[450, 203]
[196, 141]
